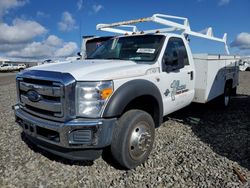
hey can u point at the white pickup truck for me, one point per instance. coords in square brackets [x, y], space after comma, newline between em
[6, 67]
[118, 95]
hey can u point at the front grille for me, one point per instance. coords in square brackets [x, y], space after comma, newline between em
[51, 98]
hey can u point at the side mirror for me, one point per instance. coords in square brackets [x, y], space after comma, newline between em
[172, 64]
[180, 64]
[166, 67]
[79, 54]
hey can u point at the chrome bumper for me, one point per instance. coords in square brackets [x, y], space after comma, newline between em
[75, 134]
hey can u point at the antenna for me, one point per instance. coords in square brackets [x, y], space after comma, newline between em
[162, 19]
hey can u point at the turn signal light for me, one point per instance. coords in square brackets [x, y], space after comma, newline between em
[105, 93]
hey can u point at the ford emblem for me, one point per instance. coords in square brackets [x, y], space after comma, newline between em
[33, 96]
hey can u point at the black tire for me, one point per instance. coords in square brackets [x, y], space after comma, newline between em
[234, 91]
[225, 99]
[133, 138]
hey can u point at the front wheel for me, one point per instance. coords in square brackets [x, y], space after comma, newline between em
[133, 138]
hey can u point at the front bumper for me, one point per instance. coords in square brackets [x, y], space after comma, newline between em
[74, 137]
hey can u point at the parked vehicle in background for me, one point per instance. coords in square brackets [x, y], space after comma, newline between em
[7, 67]
[244, 65]
[119, 94]
[21, 67]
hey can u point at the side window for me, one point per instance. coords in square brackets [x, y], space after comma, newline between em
[175, 56]
[183, 52]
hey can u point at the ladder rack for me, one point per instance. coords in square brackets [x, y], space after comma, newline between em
[162, 19]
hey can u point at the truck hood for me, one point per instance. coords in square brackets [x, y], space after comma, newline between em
[92, 70]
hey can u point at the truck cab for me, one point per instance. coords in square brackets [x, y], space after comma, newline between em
[114, 98]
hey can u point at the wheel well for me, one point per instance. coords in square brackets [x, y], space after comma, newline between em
[148, 104]
[230, 81]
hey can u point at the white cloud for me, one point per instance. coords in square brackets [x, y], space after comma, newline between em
[20, 31]
[10, 47]
[219, 2]
[67, 49]
[53, 40]
[34, 49]
[6, 5]
[223, 2]
[41, 14]
[97, 8]
[18, 39]
[67, 22]
[242, 41]
[51, 47]
[79, 4]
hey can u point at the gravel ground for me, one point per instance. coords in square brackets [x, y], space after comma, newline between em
[199, 146]
[7, 78]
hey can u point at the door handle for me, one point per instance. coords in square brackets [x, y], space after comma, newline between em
[191, 75]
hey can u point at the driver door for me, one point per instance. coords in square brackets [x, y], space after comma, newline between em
[177, 76]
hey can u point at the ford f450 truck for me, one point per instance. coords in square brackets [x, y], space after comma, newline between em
[118, 95]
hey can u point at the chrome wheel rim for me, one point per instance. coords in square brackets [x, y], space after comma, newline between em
[140, 140]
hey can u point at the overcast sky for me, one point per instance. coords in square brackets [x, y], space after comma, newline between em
[46, 28]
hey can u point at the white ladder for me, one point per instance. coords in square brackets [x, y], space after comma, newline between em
[163, 20]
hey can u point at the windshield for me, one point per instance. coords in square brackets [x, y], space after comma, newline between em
[93, 43]
[143, 48]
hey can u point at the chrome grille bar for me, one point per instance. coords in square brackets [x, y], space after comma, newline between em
[43, 104]
[41, 89]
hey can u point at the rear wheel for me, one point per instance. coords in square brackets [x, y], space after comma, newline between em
[133, 138]
[226, 97]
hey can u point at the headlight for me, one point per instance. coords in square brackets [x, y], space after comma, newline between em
[91, 97]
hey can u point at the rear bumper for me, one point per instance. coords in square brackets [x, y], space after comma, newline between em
[75, 139]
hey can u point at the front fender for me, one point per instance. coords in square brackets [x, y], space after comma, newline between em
[129, 91]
